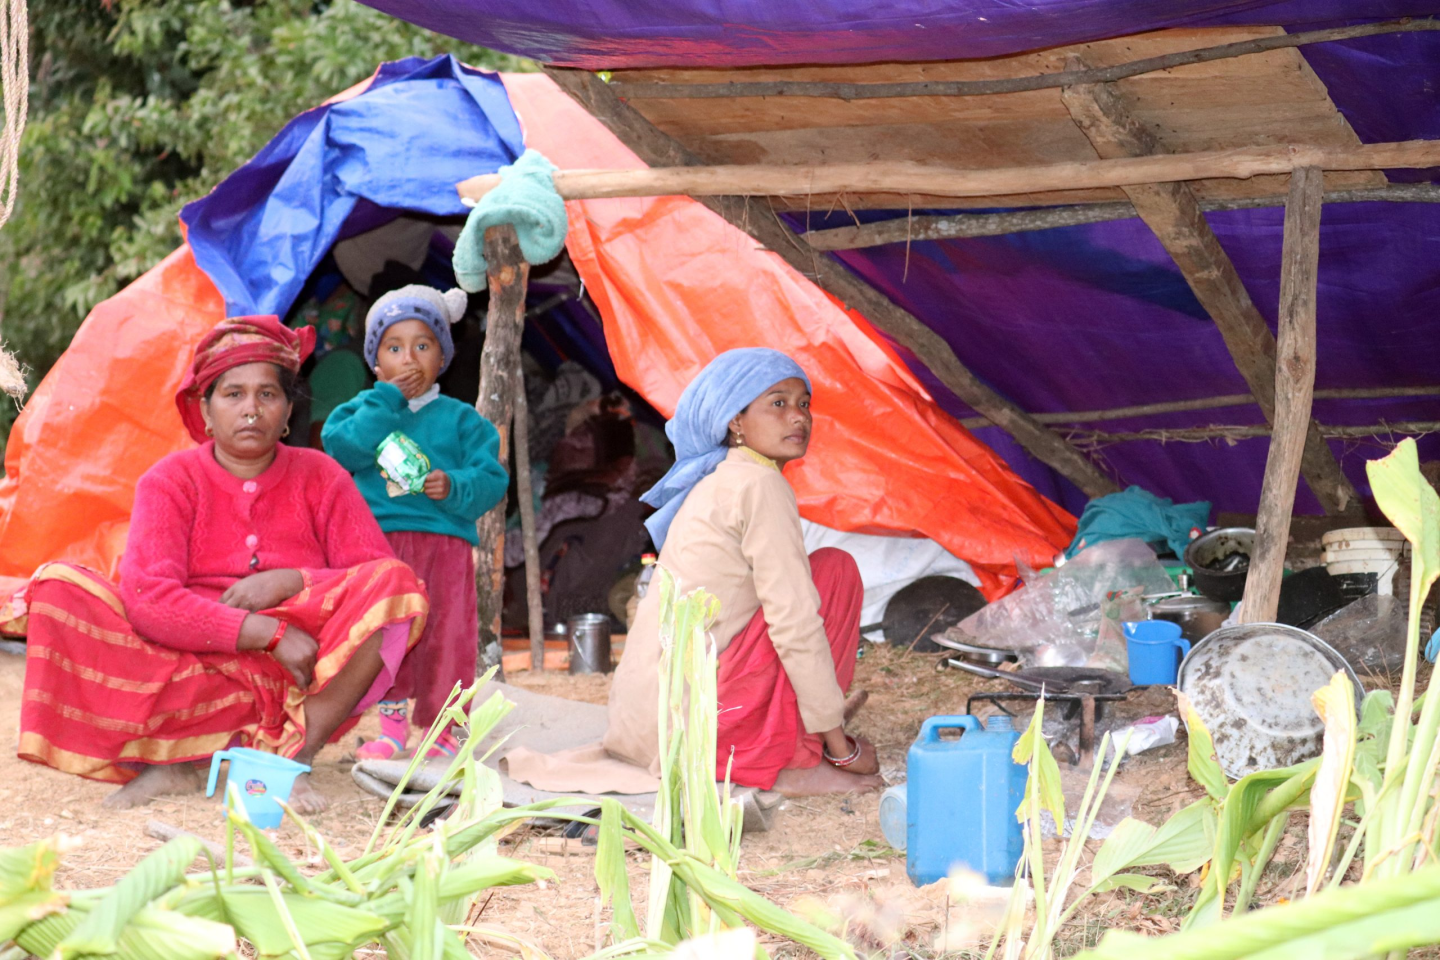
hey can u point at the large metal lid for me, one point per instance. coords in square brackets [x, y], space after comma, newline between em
[1251, 684]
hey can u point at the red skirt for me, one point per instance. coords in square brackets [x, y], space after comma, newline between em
[759, 732]
[100, 700]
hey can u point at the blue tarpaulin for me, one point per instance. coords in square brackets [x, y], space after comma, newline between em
[345, 167]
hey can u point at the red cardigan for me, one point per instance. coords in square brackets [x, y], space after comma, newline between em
[196, 527]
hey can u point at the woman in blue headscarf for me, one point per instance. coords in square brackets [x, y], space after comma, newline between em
[726, 520]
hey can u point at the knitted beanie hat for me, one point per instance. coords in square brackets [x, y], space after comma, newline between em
[415, 302]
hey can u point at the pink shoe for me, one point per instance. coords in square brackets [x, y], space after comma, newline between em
[445, 746]
[383, 747]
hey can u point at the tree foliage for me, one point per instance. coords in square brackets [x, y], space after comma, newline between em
[138, 107]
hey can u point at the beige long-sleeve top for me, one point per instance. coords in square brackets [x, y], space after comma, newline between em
[738, 536]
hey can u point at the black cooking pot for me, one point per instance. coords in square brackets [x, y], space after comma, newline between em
[1221, 562]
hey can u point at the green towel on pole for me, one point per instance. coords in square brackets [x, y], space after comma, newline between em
[525, 198]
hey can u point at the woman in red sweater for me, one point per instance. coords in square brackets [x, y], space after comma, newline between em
[259, 604]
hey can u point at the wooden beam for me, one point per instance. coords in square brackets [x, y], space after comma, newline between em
[1294, 383]
[1172, 211]
[966, 88]
[954, 226]
[760, 222]
[1215, 403]
[907, 177]
[507, 274]
[1094, 439]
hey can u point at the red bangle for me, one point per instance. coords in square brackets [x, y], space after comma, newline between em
[275, 640]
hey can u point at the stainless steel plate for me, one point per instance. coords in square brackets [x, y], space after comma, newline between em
[1251, 685]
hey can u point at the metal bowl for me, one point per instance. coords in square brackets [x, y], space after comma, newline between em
[1251, 685]
[1223, 585]
[988, 656]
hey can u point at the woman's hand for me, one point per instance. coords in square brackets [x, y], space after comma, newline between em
[839, 744]
[437, 485]
[261, 591]
[868, 762]
[297, 652]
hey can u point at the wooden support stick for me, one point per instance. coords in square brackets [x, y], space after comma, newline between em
[1214, 403]
[160, 830]
[507, 274]
[1172, 211]
[760, 222]
[964, 88]
[1294, 384]
[1092, 439]
[526, 492]
[908, 177]
[957, 226]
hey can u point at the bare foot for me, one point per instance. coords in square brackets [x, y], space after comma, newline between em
[819, 780]
[854, 702]
[156, 780]
[305, 799]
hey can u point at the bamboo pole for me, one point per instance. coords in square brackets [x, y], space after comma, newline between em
[1294, 384]
[1173, 213]
[761, 223]
[969, 88]
[524, 489]
[1091, 439]
[1214, 403]
[507, 274]
[955, 226]
[908, 177]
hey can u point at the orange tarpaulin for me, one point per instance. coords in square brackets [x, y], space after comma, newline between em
[102, 416]
[676, 284]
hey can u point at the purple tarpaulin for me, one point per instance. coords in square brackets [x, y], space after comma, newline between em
[1096, 316]
[611, 34]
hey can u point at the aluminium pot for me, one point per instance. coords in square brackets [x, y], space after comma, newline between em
[1198, 616]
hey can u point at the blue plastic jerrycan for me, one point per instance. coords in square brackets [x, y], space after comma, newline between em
[262, 778]
[961, 798]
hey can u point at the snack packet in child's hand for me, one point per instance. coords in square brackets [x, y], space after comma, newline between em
[403, 465]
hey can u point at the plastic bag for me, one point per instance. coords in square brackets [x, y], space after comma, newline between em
[1055, 619]
[1370, 633]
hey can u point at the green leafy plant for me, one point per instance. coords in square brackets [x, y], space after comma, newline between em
[694, 841]
[407, 892]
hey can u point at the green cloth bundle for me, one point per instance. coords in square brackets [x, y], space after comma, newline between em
[526, 198]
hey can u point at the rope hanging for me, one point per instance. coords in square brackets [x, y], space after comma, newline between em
[14, 89]
[14, 97]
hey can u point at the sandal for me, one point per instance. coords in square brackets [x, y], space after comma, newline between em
[383, 747]
[445, 746]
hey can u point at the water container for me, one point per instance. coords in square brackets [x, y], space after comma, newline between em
[892, 816]
[262, 777]
[961, 798]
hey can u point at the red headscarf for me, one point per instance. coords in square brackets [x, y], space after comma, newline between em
[233, 342]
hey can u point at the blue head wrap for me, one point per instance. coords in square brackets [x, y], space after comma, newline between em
[725, 387]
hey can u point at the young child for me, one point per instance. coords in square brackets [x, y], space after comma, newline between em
[408, 345]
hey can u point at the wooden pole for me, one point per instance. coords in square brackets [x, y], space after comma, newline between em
[1173, 213]
[908, 177]
[1294, 384]
[507, 274]
[956, 226]
[970, 88]
[1092, 439]
[526, 492]
[1213, 403]
[761, 223]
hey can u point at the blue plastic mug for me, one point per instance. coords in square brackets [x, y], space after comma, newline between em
[1155, 649]
[262, 778]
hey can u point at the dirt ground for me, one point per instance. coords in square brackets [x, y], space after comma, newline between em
[829, 850]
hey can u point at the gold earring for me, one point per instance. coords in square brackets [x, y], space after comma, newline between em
[287, 431]
[209, 430]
